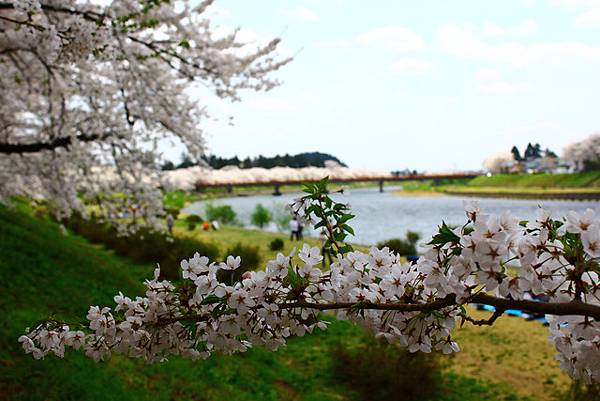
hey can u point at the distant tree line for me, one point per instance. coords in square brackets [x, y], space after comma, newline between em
[532, 152]
[314, 159]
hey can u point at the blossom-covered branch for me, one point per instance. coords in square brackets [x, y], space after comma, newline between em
[495, 260]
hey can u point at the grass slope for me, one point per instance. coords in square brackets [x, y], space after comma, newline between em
[576, 180]
[44, 272]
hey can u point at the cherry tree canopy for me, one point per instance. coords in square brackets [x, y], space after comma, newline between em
[584, 154]
[88, 91]
[499, 163]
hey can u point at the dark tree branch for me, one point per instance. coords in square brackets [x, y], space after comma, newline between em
[11, 148]
[160, 51]
[575, 307]
[484, 322]
[62, 142]
[89, 15]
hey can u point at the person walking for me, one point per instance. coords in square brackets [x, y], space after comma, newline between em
[170, 222]
[325, 252]
[294, 226]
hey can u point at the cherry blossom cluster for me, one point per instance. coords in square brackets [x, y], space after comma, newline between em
[90, 91]
[493, 259]
[583, 154]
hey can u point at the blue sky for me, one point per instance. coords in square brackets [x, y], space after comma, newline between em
[428, 85]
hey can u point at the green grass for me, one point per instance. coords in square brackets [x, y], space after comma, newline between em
[227, 236]
[44, 272]
[576, 180]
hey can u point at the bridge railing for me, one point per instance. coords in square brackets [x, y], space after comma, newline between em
[200, 184]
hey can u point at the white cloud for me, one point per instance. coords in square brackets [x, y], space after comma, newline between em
[451, 100]
[524, 27]
[396, 97]
[502, 87]
[493, 29]
[589, 18]
[589, 11]
[302, 13]
[487, 75]
[464, 41]
[410, 66]
[491, 81]
[575, 3]
[392, 37]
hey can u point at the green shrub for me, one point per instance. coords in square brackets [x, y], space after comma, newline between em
[276, 244]
[145, 246]
[261, 216]
[379, 371]
[223, 213]
[250, 256]
[173, 211]
[413, 237]
[404, 247]
[400, 246]
[192, 220]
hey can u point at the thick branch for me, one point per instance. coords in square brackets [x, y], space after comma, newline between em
[89, 15]
[10, 148]
[576, 308]
[62, 142]
[483, 322]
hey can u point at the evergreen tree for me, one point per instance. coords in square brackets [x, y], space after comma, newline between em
[186, 161]
[516, 154]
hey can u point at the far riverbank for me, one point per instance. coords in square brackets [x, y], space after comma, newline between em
[519, 193]
[576, 186]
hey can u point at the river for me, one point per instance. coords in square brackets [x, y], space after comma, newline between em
[381, 216]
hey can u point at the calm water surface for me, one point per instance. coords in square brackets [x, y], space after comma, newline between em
[380, 216]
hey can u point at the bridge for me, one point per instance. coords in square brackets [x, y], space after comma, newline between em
[276, 184]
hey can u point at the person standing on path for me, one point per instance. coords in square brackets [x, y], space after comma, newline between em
[299, 234]
[294, 227]
[170, 222]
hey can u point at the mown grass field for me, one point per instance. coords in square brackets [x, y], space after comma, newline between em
[44, 272]
[228, 236]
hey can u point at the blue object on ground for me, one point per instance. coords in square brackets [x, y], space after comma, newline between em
[510, 312]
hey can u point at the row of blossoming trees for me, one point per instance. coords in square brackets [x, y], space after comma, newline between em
[87, 93]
